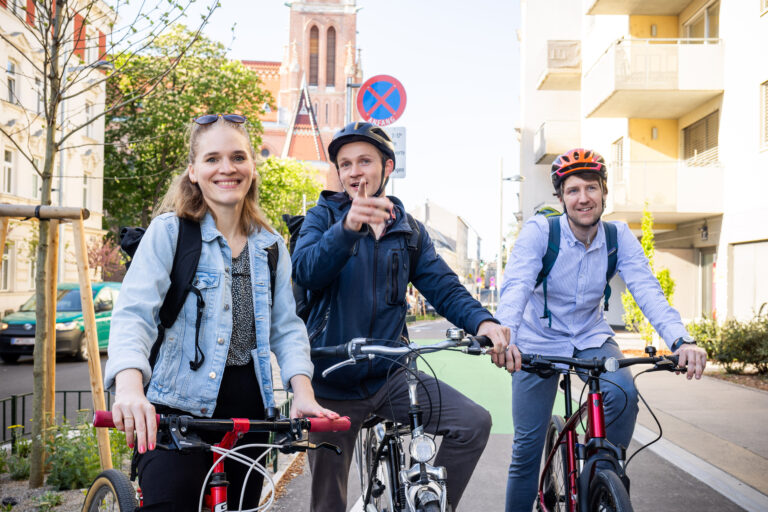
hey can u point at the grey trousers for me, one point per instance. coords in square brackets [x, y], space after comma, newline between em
[464, 427]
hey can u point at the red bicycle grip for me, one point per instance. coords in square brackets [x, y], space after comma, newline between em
[104, 419]
[328, 425]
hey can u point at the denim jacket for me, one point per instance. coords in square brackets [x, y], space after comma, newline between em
[136, 317]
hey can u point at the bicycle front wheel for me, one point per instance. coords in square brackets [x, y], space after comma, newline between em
[607, 493]
[554, 488]
[111, 491]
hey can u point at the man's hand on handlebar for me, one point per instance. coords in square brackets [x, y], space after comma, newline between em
[695, 358]
[499, 336]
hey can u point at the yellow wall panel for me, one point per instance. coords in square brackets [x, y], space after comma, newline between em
[645, 148]
[666, 26]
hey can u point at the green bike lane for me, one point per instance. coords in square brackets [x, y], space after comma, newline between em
[657, 484]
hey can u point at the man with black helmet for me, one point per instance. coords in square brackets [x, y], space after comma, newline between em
[356, 252]
[571, 294]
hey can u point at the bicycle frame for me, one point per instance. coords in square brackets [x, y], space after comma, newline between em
[581, 458]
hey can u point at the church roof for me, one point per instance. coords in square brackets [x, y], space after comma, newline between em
[303, 140]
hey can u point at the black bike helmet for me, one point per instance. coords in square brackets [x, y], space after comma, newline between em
[364, 132]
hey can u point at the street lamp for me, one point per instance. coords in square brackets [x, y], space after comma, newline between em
[516, 178]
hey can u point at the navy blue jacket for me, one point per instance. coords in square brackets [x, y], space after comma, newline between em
[360, 285]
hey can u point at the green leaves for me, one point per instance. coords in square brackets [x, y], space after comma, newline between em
[633, 317]
[284, 184]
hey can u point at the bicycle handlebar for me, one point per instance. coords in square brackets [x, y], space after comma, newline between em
[104, 419]
[534, 362]
[364, 346]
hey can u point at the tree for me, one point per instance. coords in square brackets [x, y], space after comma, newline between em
[152, 135]
[106, 260]
[61, 47]
[285, 183]
[633, 316]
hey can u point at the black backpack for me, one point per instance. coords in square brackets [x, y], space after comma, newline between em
[306, 299]
[189, 245]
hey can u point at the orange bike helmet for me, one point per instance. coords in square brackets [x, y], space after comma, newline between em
[577, 161]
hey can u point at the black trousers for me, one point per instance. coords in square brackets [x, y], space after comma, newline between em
[172, 481]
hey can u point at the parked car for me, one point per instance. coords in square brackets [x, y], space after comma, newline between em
[17, 330]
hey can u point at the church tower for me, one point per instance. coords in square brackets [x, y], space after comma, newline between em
[319, 58]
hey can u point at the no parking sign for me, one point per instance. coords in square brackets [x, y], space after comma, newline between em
[381, 100]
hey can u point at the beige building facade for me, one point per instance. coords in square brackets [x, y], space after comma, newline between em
[78, 171]
[674, 94]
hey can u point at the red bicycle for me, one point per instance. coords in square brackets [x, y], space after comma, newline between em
[586, 472]
[112, 490]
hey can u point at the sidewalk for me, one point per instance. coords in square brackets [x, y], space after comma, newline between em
[712, 429]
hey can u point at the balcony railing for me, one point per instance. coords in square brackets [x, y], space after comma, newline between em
[563, 66]
[673, 190]
[553, 138]
[654, 78]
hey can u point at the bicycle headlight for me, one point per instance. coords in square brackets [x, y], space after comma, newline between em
[422, 448]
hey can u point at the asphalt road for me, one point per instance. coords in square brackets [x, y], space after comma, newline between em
[656, 483]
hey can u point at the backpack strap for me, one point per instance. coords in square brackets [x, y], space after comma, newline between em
[189, 245]
[414, 244]
[611, 243]
[273, 256]
[548, 261]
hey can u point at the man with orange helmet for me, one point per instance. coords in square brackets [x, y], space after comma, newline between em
[573, 324]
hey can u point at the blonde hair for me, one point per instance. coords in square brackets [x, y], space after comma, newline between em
[186, 199]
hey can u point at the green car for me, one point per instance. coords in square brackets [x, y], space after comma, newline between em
[17, 330]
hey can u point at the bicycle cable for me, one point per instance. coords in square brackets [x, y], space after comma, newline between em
[658, 423]
[586, 383]
[416, 376]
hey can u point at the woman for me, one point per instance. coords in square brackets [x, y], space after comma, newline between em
[229, 374]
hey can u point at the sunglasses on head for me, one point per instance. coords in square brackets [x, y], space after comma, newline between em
[212, 118]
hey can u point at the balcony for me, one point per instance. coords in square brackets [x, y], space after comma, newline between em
[563, 71]
[654, 78]
[676, 191]
[636, 7]
[554, 138]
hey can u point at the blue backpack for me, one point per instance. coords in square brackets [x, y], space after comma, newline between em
[553, 248]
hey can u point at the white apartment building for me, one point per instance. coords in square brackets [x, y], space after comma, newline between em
[674, 94]
[78, 171]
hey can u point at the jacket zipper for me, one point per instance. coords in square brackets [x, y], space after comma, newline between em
[395, 292]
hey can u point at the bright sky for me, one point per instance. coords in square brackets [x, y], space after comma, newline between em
[458, 62]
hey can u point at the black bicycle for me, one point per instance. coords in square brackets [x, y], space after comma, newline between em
[387, 481]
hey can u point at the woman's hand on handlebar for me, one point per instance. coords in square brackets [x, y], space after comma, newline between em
[695, 358]
[304, 403]
[132, 412]
[499, 336]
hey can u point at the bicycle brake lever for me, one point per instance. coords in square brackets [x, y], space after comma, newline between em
[351, 360]
[304, 445]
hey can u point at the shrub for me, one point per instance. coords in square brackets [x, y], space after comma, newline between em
[17, 462]
[74, 454]
[48, 501]
[735, 344]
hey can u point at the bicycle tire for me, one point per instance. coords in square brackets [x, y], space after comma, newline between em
[607, 493]
[110, 490]
[366, 447]
[555, 479]
[430, 507]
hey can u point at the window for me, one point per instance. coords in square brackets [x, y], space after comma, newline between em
[11, 72]
[7, 179]
[705, 24]
[85, 191]
[88, 117]
[32, 269]
[5, 271]
[764, 114]
[700, 140]
[40, 97]
[91, 47]
[314, 61]
[763, 6]
[36, 179]
[330, 59]
[326, 112]
[15, 7]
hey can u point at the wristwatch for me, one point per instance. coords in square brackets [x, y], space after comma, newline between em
[683, 340]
